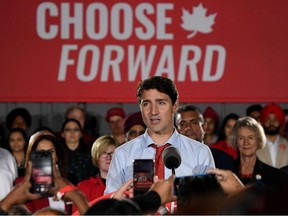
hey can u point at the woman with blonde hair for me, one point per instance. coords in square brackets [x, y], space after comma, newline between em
[248, 136]
[101, 152]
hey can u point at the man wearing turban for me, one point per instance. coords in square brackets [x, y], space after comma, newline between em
[275, 152]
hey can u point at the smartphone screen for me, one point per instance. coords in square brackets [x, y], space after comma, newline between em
[42, 176]
[143, 173]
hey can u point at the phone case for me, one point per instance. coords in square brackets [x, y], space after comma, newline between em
[143, 174]
[42, 172]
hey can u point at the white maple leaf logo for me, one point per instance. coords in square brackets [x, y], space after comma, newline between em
[197, 21]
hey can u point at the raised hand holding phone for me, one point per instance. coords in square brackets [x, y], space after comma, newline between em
[42, 172]
[143, 174]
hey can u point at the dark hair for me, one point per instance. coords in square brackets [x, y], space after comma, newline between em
[197, 194]
[45, 128]
[114, 207]
[71, 120]
[18, 112]
[20, 130]
[161, 84]
[187, 108]
[252, 108]
[81, 140]
[222, 135]
[43, 135]
[49, 211]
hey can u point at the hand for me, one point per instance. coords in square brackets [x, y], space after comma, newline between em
[126, 190]
[20, 194]
[59, 182]
[165, 189]
[76, 196]
[229, 182]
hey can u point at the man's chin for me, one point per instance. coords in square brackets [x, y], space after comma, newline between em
[272, 131]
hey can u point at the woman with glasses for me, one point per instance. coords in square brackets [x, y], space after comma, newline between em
[79, 163]
[101, 152]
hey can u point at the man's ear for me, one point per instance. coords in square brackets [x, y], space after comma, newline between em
[204, 126]
[176, 106]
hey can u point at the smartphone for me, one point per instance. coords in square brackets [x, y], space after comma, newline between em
[42, 172]
[196, 184]
[143, 173]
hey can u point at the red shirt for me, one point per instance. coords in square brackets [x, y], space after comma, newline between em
[92, 188]
[223, 145]
[36, 205]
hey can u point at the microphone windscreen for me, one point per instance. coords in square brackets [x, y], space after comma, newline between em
[171, 157]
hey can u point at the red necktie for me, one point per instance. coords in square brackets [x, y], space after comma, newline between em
[159, 166]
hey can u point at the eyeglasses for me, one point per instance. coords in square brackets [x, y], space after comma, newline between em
[105, 154]
[69, 130]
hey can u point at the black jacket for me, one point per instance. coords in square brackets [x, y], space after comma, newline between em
[264, 174]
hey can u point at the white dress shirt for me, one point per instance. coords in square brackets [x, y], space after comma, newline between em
[196, 158]
[8, 172]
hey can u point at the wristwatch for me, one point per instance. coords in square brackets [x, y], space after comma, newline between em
[65, 189]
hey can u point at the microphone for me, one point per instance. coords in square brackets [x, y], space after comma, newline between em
[171, 158]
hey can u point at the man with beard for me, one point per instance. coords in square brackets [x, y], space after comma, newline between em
[275, 152]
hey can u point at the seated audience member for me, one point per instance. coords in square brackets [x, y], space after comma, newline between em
[248, 136]
[254, 111]
[101, 152]
[45, 140]
[190, 122]
[211, 119]
[19, 118]
[79, 162]
[275, 152]
[8, 172]
[62, 190]
[17, 145]
[133, 126]
[79, 113]
[115, 117]
[224, 139]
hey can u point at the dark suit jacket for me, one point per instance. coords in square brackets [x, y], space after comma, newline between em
[222, 159]
[265, 174]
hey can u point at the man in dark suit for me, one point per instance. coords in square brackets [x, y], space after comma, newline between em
[190, 122]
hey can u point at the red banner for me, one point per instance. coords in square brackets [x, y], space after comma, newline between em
[97, 51]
